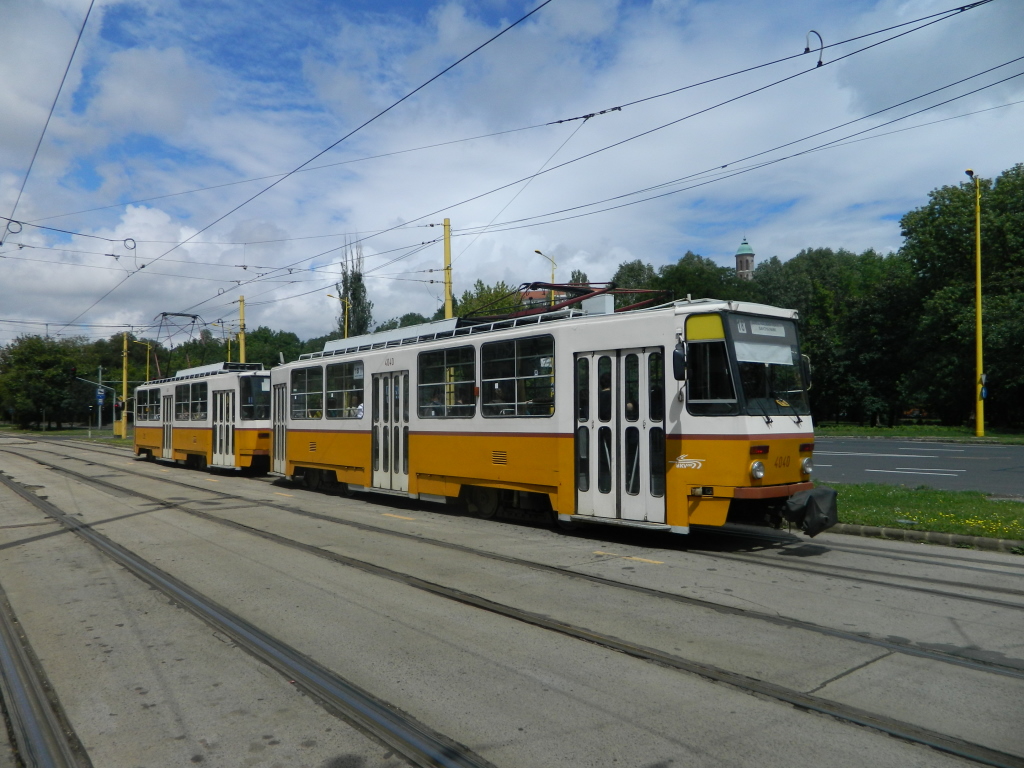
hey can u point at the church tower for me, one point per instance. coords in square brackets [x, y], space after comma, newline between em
[745, 261]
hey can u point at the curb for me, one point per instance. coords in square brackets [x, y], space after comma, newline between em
[933, 537]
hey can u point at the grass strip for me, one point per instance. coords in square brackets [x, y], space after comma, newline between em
[921, 431]
[970, 513]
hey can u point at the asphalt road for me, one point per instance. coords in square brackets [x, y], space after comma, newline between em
[995, 469]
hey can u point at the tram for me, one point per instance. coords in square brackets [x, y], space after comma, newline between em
[693, 413]
[214, 415]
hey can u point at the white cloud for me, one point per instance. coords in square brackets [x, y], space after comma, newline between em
[222, 113]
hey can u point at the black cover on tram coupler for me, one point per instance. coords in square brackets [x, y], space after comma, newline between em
[813, 511]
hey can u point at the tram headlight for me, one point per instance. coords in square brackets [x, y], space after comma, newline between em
[807, 465]
[757, 470]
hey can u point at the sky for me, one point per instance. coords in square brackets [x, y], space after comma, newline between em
[178, 119]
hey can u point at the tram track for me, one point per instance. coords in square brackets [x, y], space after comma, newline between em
[39, 731]
[904, 648]
[804, 701]
[416, 742]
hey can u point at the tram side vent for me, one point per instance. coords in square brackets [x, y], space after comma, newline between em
[499, 457]
[312, 446]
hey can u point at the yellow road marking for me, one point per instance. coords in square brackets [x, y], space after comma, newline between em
[165, 470]
[388, 514]
[627, 557]
[211, 480]
[278, 493]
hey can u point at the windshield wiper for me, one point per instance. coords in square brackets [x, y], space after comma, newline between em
[764, 412]
[787, 404]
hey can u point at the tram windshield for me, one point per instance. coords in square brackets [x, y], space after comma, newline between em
[254, 397]
[768, 361]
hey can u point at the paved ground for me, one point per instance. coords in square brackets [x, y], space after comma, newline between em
[146, 684]
[996, 469]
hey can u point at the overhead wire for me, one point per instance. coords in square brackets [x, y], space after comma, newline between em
[520, 190]
[717, 78]
[947, 15]
[332, 146]
[49, 116]
[748, 169]
[720, 167]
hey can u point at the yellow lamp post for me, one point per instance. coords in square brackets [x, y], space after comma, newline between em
[345, 304]
[552, 274]
[148, 347]
[979, 384]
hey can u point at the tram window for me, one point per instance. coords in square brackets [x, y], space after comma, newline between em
[376, 447]
[199, 391]
[254, 397]
[405, 450]
[709, 380]
[386, 400]
[604, 460]
[181, 402]
[447, 379]
[583, 389]
[147, 405]
[308, 393]
[344, 392]
[632, 461]
[632, 386]
[657, 454]
[405, 404]
[518, 377]
[154, 405]
[583, 458]
[376, 401]
[656, 385]
[604, 388]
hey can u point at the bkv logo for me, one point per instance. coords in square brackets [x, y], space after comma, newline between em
[685, 463]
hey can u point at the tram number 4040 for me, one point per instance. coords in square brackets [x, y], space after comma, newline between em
[782, 461]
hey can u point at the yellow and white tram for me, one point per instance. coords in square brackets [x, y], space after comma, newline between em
[682, 415]
[217, 415]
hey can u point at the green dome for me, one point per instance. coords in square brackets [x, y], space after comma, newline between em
[745, 249]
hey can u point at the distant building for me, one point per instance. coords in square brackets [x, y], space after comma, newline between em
[745, 261]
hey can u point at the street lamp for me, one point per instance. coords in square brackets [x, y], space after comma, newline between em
[552, 274]
[345, 305]
[979, 384]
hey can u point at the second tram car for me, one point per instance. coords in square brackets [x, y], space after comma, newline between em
[217, 415]
[682, 415]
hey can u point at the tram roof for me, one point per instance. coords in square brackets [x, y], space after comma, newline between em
[459, 326]
[209, 370]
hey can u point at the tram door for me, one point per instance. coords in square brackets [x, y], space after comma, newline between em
[280, 413]
[390, 442]
[224, 428]
[167, 417]
[620, 434]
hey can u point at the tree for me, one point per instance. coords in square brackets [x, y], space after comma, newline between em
[484, 300]
[632, 274]
[579, 277]
[940, 244]
[409, 318]
[37, 378]
[701, 278]
[268, 346]
[352, 288]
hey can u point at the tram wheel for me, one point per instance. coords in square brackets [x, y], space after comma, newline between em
[486, 500]
[311, 479]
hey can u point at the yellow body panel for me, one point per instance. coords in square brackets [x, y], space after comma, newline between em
[347, 453]
[149, 438]
[251, 442]
[194, 441]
